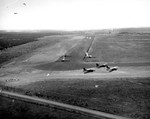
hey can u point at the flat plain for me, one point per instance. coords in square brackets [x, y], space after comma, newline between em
[41, 72]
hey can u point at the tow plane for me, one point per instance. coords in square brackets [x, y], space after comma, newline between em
[85, 70]
[103, 65]
[109, 69]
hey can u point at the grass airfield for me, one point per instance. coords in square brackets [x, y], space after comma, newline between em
[123, 92]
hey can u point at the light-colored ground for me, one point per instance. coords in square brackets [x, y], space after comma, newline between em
[53, 47]
[52, 53]
[99, 74]
[23, 70]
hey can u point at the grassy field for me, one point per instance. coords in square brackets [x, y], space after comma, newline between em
[15, 109]
[126, 48]
[121, 47]
[125, 97]
[73, 61]
[10, 39]
[16, 44]
[27, 48]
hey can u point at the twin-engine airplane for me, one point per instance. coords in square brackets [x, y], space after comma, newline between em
[85, 70]
[103, 65]
[110, 69]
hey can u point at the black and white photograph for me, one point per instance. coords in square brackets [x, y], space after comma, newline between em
[74, 59]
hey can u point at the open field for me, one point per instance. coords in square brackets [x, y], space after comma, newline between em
[121, 48]
[38, 67]
[16, 109]
[14, 44]
[74, 60]
[10, 39]
[116, 49]
[128, 97]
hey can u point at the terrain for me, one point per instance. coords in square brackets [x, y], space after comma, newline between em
[37, 65]
[16, 109]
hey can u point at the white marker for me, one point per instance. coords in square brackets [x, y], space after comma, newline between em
[96, 86]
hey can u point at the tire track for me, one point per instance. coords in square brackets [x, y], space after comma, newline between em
[93, 37]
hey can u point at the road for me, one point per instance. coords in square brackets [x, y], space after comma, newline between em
[67, 107]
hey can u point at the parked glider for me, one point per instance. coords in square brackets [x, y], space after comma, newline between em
[87, 55]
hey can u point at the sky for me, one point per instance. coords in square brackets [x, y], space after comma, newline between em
[73, 14]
